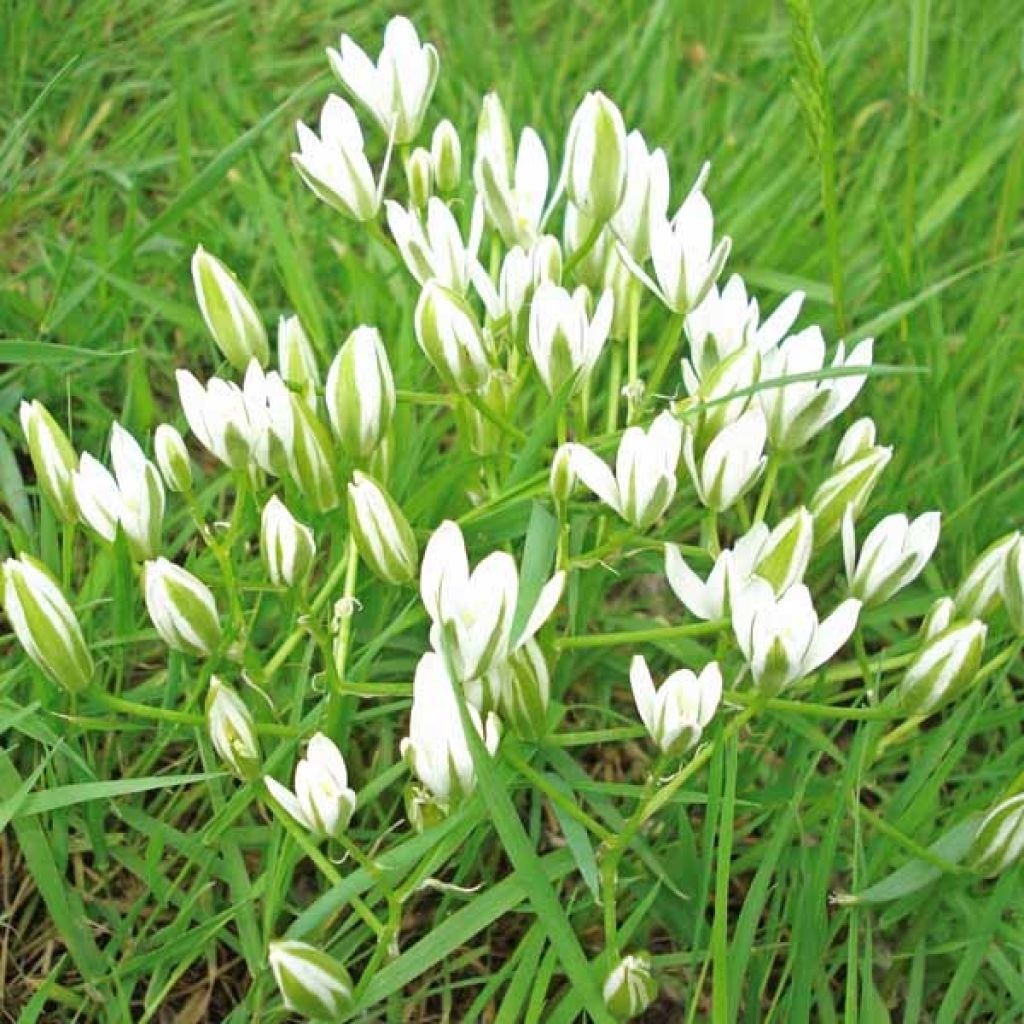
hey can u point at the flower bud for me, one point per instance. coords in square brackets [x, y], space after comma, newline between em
[181, 607]
[783, 559]
[939, 618]
[45, 624]
[141, 494]
[596, 157]
[228, 311]
[645, 198]
[451, 338]
[858, 439]
[53, 458]
[546, 260]
[732, 462]
[311, 982]
[296, 359]
[676, 714]
[422, 808]
[361, 393]
[999, 840]
[717, 391]
[978, 595]
[307, 447]
[446, 157]
[629, 989]
[419, 174]
[562, 479]
[287, 545]
[618, 279]
[525, 692]
[322, 802]
[849, 487]
[485, 436]
[232, 730]
[382, 533]
[172, 458]
[588, 265]
[943, 668]
[1012, 587]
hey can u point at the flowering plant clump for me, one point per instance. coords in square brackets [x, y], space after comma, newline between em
[606, 396]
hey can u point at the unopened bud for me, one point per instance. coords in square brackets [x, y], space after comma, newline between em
[53, 458]
[446, 157]
[311, 982]
[361, 393]
[181, 607]
[287, 545]
[999, 840]
[232, 730]
[629, 989]
[381, 531]
[944, 668]
[419, 173]
[172, 458]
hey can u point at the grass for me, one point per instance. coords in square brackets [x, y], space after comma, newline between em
[135, 886]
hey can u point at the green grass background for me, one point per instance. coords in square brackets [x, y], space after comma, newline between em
[131, 132]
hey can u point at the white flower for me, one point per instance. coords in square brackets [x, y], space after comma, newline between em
[727, 321]
[381, 531]
[686, 261]
[893, 554]
[565, 343]
[732, 462]
[436, 747]
[644, 481]
[334, 165]
[451, 338]
[645, 199]
[944, 667]
[133, 496]
[322, 802]
[287, 545]
[797, 411]
[513, 197]
[44, 623]
[228, 311]
[677, 713]
[1012, 584]
[218, 417]
[181, 607]
[472, 613]
[397, 89]
[435, 250]
[781, 638]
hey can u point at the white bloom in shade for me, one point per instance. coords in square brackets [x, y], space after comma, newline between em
[229, 313]
[781, 638]
[845, 492]
[1012, 584]
[436, 747]
[268, 402]
[797, 411]
[311, 982]
[44, 623]
[513, 197]
[944, 667]
[472, 613]
[382, 533]
[53, 458]
[644, 481]
[892, 556]
[172, 458]
[287, 545]
[524, 690]
[727, 321]
[999, 841]
[779, 556]
[322, 802]
[132, 497]
[218, 417]
[645, 199]
[435, 250]
[676, 714]
[515, 284]
[296, 359]
[360, 393]
[629, 989]
[686, 260]
[732, 462]
[451, 338]
[565, 343]
[446, 157]
[397, 89]
[979, 592]
[181, 607]
[595, 157]
[334, 164]
[232, 730]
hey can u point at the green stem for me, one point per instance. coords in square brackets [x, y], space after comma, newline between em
[808, 710]
[770, 475]
[343, 641]
[667, 348]
[67, 553]
[638, 636]
[614, 387]
[633, 347]
[583, 251]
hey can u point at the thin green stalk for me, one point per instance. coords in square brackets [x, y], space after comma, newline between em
[633, 347]
[771, 474]
[667, 349]
[583, 251]
[335, 702]
[614, 388]
[639, 636]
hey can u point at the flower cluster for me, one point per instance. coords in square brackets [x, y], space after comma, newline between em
[550, 322]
